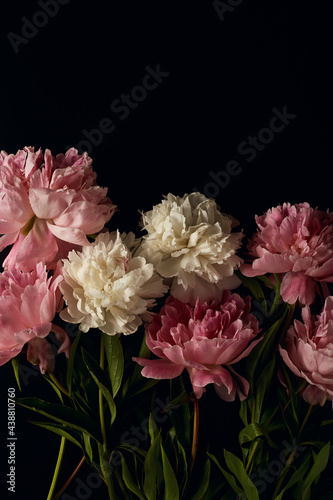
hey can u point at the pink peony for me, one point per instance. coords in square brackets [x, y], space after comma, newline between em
[296, 240]
[28, 303]
[47, 209]
[308, 352]
[206, 340]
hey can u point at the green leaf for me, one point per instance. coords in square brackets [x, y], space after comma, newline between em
[15, 365]
[153, 470]
[100, 379]
[87, 448]
[255, 288]
[70, 366]
[115, 358]
[182, 470]
[250, 433]
[129, 481]
[229, 477]
[71, 435]
[201, 488]
[262, 384]
[180, 411]
[64, 415]
[236, 466]
[262, 353]
[152, 427]
[171, 489]
[317, 468]
[295, 478]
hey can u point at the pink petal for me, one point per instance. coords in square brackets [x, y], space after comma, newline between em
[62, 337]
[38, 246]
[40, 353]
[48, 204]
[272, 263]
[75, 236]
[83, 215]
[297, 286]
[314, 395]
[8, 354]
[323, 272]
[159, 368]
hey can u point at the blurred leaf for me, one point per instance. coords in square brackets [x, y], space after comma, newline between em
[15, 365]
[236, 466]
[115, 358]
[200, 487]
[317, 468]
[70, 366]
[64, 415]
[294, 401]
[295, 478]
[153, 430]
[255, 288]
[87, 448]
[180, 411]
[171, 489]
[100, 379]
[262, 385]
[182, 469]
[129, 481]
[71, 435]
[153, 470]
[229, 477]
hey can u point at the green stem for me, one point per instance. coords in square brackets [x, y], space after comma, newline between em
[100, 398]
[306, 418]
[105, 467]
[292, 454]
[58, 384]
[195, 437]
[249, 463]
[69, 480]
[57, 468]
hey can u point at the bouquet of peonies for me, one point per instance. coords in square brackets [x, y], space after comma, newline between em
[244, 327]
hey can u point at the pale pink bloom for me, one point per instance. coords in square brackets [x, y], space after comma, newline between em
[48, 206]
[308, 352]
[296, 240]
[206, 340]
[28, 304]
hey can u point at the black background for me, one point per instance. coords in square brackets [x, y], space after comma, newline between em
[225, 74]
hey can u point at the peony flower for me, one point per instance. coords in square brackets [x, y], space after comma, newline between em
[296, 240]
[47, 209]
[189, 240]
[308, 352]
[206, 340]
[106, 287]
[28, 303]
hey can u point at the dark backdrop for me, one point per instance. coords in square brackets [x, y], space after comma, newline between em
[220, 72]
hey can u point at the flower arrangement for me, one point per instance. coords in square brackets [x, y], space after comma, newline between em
[189, 311]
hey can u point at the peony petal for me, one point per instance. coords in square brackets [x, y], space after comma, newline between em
[40, 353]
[297, 286]
[48, 204]
[159, 368]
[8, 354]
[88, 217]
[69, 234]
[38, 246]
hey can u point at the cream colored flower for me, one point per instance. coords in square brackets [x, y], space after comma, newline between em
[190, 240]
[106, 287]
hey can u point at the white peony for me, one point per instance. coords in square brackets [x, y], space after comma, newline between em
[106, 287]
[190, 240]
